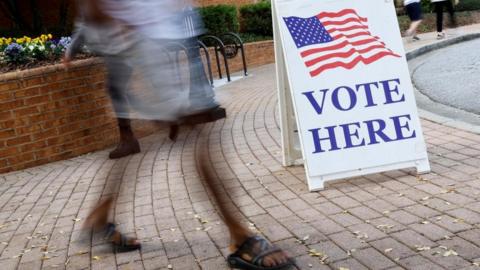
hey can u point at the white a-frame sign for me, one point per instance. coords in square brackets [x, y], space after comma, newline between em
[346, 98]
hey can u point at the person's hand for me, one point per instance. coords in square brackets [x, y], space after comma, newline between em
[66, 61]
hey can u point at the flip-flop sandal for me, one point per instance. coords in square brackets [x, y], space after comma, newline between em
[124, 245]
[235, 259]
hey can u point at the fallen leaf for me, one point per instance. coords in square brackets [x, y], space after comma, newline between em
[384, 227]
[343, 268]
[450, 190]
[425, 198]
[169, 266]
[425, 222]
[421, 179]
[322, 256]
[422, 248]
[315, 253]
[81, 252]
[44, 258]
[450, 252]
[96, 258]
[388, 250]
[76, 219]
[476, 264]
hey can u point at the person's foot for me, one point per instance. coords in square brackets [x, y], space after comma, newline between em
[204, 116]
[125, 148]
[257, 253]
[415, 38]
[440, 35]
[120, 242]
[409, 33]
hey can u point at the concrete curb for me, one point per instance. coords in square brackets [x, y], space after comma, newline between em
[439, 45]
[432, 110]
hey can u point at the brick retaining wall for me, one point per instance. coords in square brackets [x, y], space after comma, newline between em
[49, 114]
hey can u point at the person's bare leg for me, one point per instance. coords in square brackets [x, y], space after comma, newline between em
[238, 232]
[412, 30]
[414, 26]
[98, 218]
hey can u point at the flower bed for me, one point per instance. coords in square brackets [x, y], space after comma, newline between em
[27, 52]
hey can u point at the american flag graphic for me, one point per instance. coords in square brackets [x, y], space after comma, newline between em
[335, 39]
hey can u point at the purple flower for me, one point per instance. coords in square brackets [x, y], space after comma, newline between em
[15, 53]
[64, 42]
[13, 49]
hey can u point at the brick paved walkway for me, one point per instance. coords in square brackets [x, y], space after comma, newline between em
[391, 220]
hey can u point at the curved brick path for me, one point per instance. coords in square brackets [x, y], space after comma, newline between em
[391, 220]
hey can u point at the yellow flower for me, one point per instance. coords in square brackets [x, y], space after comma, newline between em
[28, 39]
[19, 40]
[50, 36]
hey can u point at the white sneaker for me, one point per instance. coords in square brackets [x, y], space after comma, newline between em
[440, 35]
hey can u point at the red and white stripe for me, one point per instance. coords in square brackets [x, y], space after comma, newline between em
[352, 43]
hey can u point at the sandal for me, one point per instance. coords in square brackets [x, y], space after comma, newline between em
[125, 244]
[257, 248]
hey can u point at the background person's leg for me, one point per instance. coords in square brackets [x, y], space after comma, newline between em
[118, 78]
[439, 12]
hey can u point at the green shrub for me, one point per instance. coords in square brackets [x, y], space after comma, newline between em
[463, 5]
[219, 19]
[468, 5]
[257, 19]
[427, 6]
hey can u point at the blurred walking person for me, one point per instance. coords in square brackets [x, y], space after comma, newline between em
[414, 12]
[439, 7]
[148, 27]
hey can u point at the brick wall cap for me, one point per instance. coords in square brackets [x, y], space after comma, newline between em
[21, 74]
